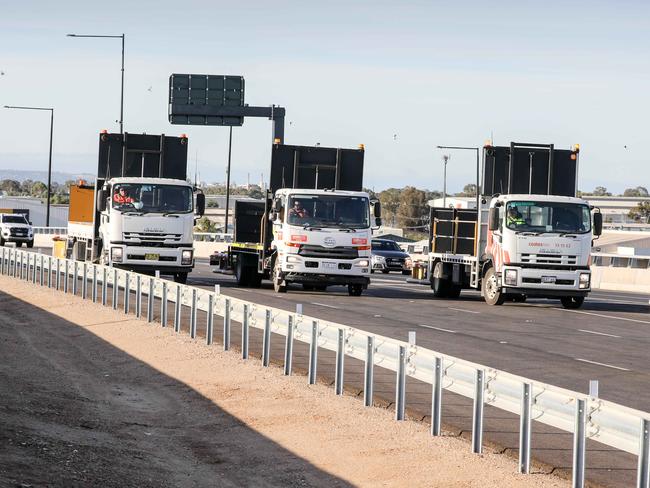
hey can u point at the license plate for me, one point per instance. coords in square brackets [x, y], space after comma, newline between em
[151, 257]
[327, 265]
[548, 279]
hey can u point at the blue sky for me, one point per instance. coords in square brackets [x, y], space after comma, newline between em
[400, 77]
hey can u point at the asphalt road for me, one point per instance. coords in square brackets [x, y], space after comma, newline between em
[606, 340]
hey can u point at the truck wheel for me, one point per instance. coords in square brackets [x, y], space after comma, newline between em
[491, 292]
[385, 271]
[30, 244]
[2, 241]
[277, 280]
[572, 302]
[439, 285]
[454, 291]
[241, 274]
[355, 290]
[254, 278]
[180, 278]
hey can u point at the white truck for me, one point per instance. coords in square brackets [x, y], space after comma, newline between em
[314, 228]
[531, 243]
[142, 223]
[16, 228]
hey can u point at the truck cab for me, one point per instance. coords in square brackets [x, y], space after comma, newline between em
[15, 227]
[321, 238]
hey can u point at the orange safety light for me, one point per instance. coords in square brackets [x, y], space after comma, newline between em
[362, 147]
[277, 140]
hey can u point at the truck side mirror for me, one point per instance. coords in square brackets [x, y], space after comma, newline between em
[493, 221]
[375, 208]
[598, 224]
[200, 204]
[377, 222]
[277, 204]
[101, 200]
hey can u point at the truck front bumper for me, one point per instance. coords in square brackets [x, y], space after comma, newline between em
[140, 258]
[297, 269]
[548, 283]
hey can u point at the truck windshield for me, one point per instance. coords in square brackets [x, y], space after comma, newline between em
[570, 218]
[152, 198]
[14, 219]
[328, 211]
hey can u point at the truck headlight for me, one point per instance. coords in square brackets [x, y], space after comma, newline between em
[116, 254]
[585, 279]
[186, 256]
[363, 263]
[511, 277]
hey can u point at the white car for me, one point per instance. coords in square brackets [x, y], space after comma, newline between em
[16, 228]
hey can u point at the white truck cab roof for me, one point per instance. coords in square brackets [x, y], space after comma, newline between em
[148, 181]
[304, 191]
[538, 198]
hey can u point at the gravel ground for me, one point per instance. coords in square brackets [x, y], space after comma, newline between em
[92, 397]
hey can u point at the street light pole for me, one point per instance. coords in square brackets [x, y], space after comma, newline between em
[445, 159]
[477, 167]
[122, 36]
[49, 165]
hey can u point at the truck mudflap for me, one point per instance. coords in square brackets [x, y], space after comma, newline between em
[322, 279]
[544, 293]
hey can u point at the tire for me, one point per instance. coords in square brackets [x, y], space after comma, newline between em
[180, 278]
[320, 287]
[372, 271]
[241, 274]
[2, 241]
[491, 293]
[385, 271]
[254, 278]
[454, 291]
[572, 302]
[277, 287]
[355, 290]
[19, 244]
[307, 287]
[30, 244]
[440, 286]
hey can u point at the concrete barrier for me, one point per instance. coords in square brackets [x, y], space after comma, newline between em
[620, 279]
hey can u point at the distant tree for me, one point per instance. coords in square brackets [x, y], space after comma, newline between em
[639, 191]
[640, 213]
[413, 208]
[600, 191]
[390, 201]
[212, 203]
[12, 187]
[255, 193]
[204, 224]
[26, 187]
[370, 193]
[60, 199]
[38, 189]
[469, 190]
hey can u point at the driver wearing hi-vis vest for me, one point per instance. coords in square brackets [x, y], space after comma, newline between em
[122, 196]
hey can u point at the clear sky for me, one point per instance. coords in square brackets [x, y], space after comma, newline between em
[400, 77]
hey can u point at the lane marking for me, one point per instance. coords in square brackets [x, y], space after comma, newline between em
[605, 301]
[325, 305]
[603, 316]
[438, 328]
[462, 310]
[601, 364]
[598, 333]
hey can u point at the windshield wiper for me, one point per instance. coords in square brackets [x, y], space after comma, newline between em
[169, 214]
[310, 227]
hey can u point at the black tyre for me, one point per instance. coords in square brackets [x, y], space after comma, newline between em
[572, 302]
[355, 290]
[2, 241]
[254, 278]
[385, 271]
[180, 278]
[439, 285]
[491, 291]
[454, 291]
[307, 287]
[320, 287]
[19, 244]
[30, 244]
[241, 274]
[279, 285]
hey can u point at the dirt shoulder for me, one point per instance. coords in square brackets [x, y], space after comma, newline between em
[92, 397]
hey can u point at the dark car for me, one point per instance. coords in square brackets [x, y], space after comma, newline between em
[387, 256]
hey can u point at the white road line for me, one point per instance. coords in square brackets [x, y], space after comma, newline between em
[604, 316]
[598, 333]
[438, 328]
[324, 305]
[612, 300]
[462, 310]
[601, 364]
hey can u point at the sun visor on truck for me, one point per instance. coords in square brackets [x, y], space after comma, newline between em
[142, 155]
[316, 167]
[529, 168]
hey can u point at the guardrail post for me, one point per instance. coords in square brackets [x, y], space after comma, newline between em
[525, 420]
[15, 261]
[369, 372]
[193, 315]
[41, 272]
[94, 285]
[209, 326]
[127, 292]
[116, 288]
[340, 358]
[579, 441]
[593, 388]
[313, 353]
[150, 300]
[22, 263]
[66, 278]
[266, 339]
[84, 279]
[138, 296]
[226, 325]
[477, 418]
[163, 305]
[643, 478]
[177, 309]
[400, 387]
[2, 268]
[104, 287]
[49, 271]
[288, 347]
[75, 269]
[58, 273]
[436, 398]
[244, 333]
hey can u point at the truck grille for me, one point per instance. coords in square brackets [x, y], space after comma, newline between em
[565, 259]
[308, 251]
[539, 280]
[153, 239]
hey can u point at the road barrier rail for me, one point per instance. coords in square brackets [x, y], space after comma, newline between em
[585, 416]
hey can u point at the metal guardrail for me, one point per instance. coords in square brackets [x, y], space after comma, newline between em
[620, 260]
[212, 237]
[50, 230]
[587, 417]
